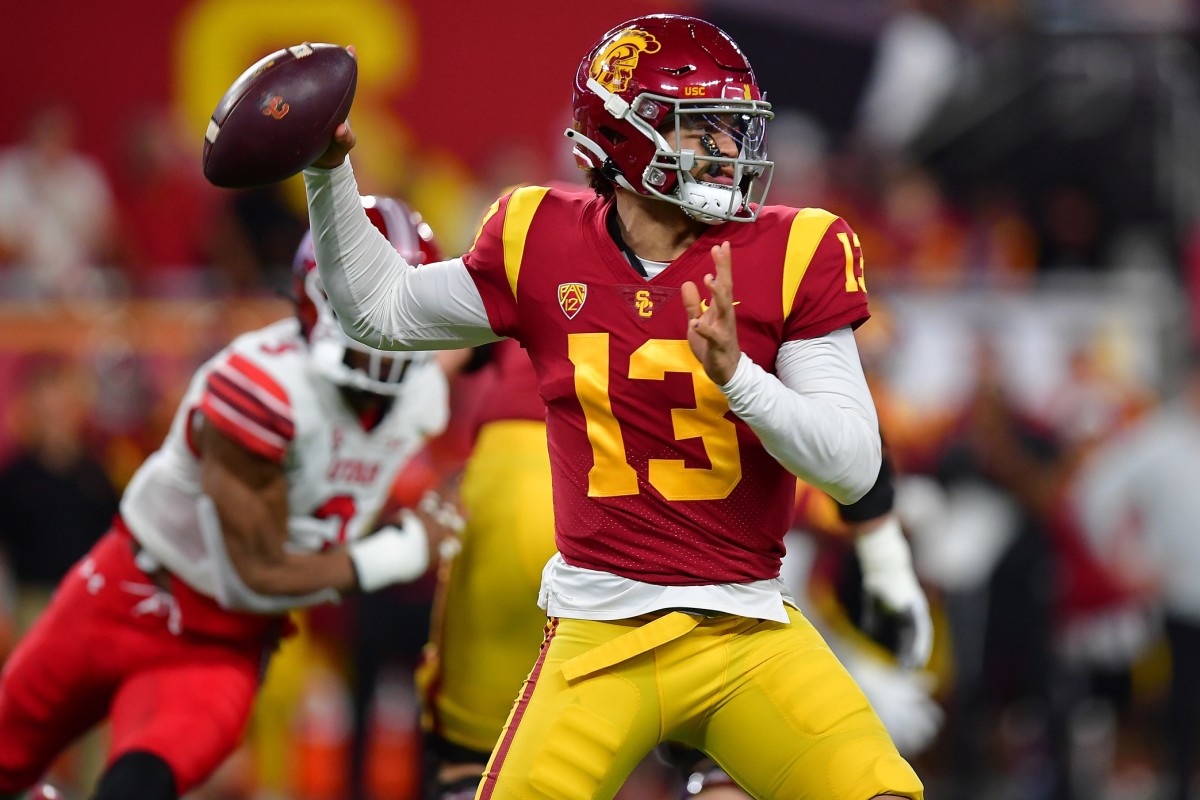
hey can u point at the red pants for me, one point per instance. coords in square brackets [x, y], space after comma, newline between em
[174, 672]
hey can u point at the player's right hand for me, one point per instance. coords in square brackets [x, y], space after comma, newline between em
[343, 141]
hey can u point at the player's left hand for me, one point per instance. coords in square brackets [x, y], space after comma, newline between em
[443, 521]
[893, 592]
[712, 328]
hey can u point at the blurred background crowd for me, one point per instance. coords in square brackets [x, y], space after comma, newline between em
[1024, 177]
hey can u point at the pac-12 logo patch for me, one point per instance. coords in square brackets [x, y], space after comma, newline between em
[571, 297]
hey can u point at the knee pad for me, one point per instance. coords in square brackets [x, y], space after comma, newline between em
[139, 774]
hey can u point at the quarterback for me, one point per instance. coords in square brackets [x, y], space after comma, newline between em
[260, 500]
[681, 406]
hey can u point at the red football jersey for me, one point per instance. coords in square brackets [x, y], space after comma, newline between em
[654, 478]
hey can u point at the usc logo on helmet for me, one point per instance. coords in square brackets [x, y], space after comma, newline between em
[614, 66]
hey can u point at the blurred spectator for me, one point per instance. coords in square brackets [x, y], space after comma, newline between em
[1092, 402]
[56, 209]
[1002, 245]
[799, 146]
[56, 496]
[983, 543]
[916, 67]
[1073, 228]
[166, 209]
[1139, 507]
[915, 237]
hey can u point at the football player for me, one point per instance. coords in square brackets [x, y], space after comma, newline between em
[485, 624]
[680, 408]
[262, 499]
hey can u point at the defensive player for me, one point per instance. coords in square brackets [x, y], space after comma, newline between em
[676, 422]
[259, 501]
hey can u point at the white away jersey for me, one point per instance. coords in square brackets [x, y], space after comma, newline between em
[262, 392]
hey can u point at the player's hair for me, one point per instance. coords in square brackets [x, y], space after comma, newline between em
[600, 184]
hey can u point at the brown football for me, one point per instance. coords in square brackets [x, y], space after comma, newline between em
[279, 115]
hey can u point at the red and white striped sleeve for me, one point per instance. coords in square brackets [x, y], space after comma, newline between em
[249, 406]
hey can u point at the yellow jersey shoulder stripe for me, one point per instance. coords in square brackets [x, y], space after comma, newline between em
[808, 229]
[491, 212]
[518, 217]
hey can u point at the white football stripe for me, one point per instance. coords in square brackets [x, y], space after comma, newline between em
[247, 384]
[239, 419]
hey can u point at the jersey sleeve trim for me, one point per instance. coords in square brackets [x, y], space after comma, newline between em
[808, 229]
[246, 404]
[848, 318]
[244, 431]
[491, 212]
[518, 217]
[261, 381]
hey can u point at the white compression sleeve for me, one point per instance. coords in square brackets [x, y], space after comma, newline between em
[380, 300]
[817, 418]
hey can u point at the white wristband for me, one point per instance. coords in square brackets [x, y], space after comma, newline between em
[391, 554]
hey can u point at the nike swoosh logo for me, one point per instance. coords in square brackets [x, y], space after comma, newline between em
[704, 305]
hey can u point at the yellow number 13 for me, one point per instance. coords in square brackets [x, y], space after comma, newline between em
[854, 282]
[611, 474]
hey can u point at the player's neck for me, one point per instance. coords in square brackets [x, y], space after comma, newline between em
[655, 230]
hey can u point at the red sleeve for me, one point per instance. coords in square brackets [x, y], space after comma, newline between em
[249, 406]
[833, 292]
[485, 261]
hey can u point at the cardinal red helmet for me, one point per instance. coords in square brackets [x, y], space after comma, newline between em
[329, 345]
[665, 73]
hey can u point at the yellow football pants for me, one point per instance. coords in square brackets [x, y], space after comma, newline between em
[768, 701]
[487, 625]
